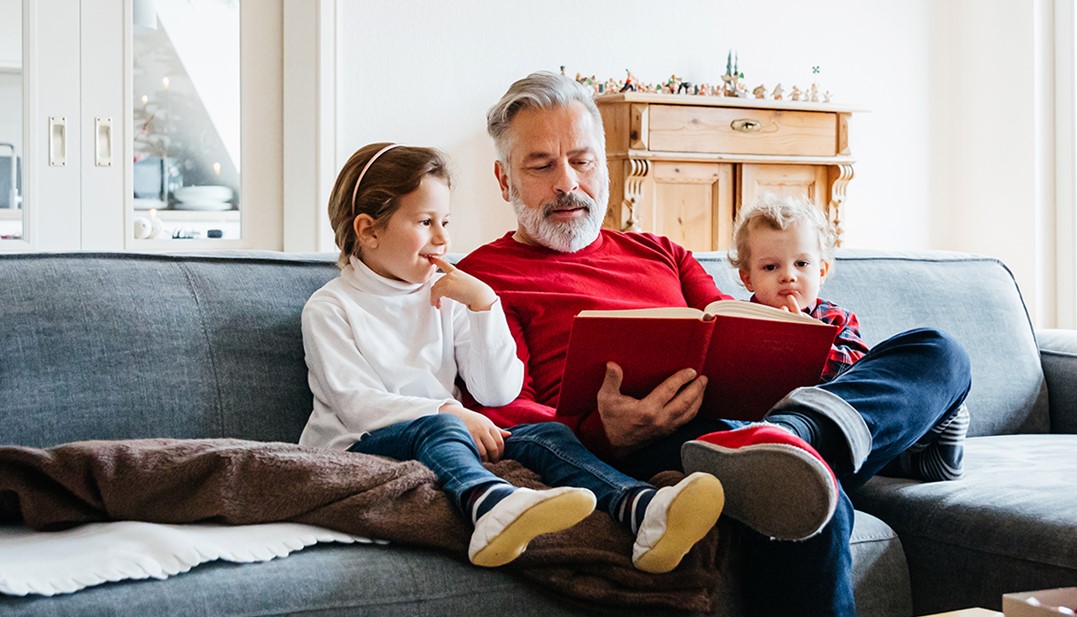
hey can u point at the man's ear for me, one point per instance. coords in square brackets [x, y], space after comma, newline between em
[502, 176]
[746, 278]
[366, 231]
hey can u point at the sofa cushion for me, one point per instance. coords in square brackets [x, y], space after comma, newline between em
[327, 580]
[323, 580]
[880, 572]
[1007, 526]
[891, 292]
[103, 346]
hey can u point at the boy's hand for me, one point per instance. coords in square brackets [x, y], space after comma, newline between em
[488, 438]
[460, 286]
[791, 304]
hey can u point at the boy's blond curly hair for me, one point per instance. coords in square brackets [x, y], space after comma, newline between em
[780, 212]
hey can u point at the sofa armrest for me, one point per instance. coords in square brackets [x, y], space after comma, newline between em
[1058, 353]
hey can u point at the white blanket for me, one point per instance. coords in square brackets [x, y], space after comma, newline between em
[50, 563]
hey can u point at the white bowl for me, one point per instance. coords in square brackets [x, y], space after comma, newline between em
[149, 204]
[204, 193]
[202, 204]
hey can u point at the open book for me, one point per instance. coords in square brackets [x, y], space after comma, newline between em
[752, 354]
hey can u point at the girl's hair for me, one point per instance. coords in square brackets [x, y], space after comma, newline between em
[539, 90]
[397, 172]
[780, 212]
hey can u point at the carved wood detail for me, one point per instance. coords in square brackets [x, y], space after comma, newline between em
[636, 172]
[840, 175]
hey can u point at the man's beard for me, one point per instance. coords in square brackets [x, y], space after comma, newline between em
[565, 236]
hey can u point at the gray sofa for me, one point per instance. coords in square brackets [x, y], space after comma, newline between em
[129, 346]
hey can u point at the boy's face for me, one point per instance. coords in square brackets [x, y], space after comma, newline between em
[400, 249]
[785, 266]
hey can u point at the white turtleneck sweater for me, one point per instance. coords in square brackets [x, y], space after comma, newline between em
[378, 353]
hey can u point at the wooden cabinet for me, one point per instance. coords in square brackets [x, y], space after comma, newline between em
[681, 166]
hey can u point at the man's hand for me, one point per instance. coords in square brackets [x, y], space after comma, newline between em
[631, 423]
[488, 438]
[460, 286]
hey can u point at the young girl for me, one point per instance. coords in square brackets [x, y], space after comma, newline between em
[784, 249]
[386, 341]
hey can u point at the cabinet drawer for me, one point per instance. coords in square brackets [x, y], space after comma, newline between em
[679, 128]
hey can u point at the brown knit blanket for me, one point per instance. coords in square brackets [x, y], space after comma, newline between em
[243, 482]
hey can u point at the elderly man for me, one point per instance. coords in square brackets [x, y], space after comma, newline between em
[785, 479]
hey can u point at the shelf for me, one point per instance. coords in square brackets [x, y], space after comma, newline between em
[8, 214]
[726, 101]
[183, 216]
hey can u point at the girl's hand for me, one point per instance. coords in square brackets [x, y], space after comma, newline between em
[488, 438]
[460, 286]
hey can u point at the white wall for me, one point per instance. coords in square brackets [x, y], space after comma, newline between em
[993, 193]
[948, 156]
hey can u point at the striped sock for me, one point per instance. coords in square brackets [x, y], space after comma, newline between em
[484, 497]
[630, 510]
[939, 455]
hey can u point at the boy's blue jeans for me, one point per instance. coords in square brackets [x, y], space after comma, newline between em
[901, 388]
[442, 443]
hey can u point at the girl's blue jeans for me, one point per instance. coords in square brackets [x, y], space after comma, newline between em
[442, 443]
[901, 388]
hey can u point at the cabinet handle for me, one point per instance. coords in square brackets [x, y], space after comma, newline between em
[102, 142]
[745, 125]
[57, 141]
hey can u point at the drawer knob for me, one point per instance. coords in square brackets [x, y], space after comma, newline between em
[745, 125]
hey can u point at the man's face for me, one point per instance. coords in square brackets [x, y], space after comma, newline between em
[556, 178]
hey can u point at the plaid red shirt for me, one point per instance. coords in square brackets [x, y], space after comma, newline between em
[848, 346]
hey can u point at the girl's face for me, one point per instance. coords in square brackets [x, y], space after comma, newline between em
[785, 265]
[400, 249]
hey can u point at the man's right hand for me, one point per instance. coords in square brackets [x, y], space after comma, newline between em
[631, 423]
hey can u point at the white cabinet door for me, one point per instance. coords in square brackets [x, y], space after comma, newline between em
[72, 73]
[104, 32]
[52, 161]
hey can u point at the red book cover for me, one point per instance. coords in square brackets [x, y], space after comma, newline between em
[753, 355]
[648, 349]
[753, 363]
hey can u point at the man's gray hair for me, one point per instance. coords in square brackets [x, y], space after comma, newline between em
[539, 90]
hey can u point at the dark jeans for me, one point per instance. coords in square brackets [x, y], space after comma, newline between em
[442, 443]
[901, 388]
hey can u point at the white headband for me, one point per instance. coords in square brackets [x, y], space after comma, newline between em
[355, 191]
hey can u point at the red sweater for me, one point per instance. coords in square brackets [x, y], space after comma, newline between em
[542, 290]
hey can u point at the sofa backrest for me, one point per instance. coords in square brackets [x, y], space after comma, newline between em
[973, 298]
[100, 346]
[113, 346]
